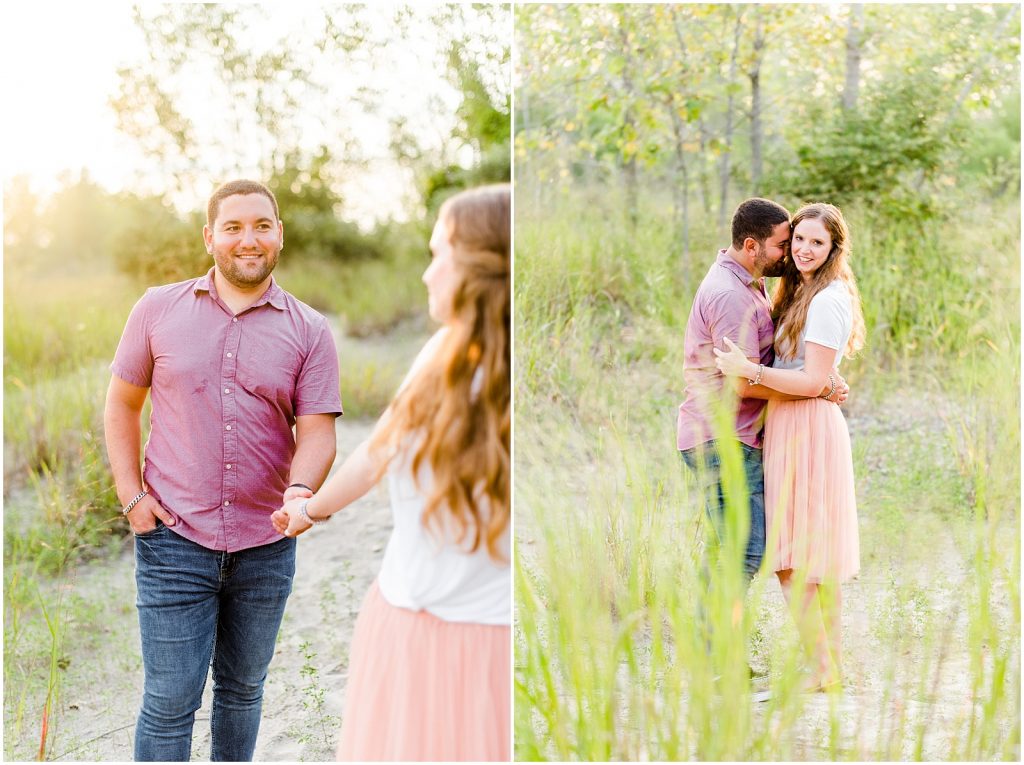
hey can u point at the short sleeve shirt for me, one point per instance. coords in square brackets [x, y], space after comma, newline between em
[225, 392]
[829, 323]
[729, 303]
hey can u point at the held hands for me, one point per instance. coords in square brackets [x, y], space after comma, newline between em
[296, 491]
[281, 519]
[287, 521]
[733, 363]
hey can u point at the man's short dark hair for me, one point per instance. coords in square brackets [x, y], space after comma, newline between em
[756, 218]
[231, 188]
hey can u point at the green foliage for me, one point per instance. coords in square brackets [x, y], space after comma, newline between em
[667, 93]
[155, 245]
[311, 208]
[871, 154]
[367, 294]
[992, 153]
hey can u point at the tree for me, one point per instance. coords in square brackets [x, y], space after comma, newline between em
[864, 103]
[277, 102]
[854, 42]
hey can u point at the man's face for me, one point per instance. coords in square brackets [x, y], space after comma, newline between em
[245, 240]
[770, 259]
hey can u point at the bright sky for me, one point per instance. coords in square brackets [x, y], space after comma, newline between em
[59, 64]
[60, 69]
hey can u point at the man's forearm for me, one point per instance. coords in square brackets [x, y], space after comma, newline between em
[123, 436]
[314, 455]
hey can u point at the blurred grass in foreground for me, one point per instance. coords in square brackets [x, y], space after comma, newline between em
[609, 664]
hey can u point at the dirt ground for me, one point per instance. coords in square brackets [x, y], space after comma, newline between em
[304, 692]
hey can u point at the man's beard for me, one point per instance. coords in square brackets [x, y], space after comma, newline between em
[242, 277]
[764, 267]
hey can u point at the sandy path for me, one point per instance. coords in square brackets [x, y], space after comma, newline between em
[303, 697]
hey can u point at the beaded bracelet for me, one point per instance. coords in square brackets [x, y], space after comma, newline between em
[757, 377]
[306, 517]
[832, 382]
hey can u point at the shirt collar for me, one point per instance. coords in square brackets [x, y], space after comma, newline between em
[274, 294]
[741, 273]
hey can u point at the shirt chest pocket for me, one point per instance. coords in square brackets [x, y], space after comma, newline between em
[269, 373]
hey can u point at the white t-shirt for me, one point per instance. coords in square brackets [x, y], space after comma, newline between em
[829, 323]
[427, 570]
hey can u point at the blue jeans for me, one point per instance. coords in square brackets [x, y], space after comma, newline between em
[704, 461]
[199, 607]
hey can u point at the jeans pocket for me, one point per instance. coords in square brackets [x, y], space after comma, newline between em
[152, 532]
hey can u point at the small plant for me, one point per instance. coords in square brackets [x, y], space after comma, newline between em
[313, 697]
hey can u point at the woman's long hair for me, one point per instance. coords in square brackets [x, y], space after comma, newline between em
[460, 400]
[792, 297]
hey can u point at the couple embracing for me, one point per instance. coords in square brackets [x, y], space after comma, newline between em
[232, 364]
[780, 355]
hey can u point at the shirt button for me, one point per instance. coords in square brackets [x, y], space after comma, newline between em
[227, 390]
[234, 319]
[229, 354]
[227, 427]
[226, 504]
[228, 466]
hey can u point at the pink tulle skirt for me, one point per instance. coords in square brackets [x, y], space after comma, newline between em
[810, 502]
[423, 689]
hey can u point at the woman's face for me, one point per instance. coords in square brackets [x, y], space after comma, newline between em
[810, 246]
[441, 277]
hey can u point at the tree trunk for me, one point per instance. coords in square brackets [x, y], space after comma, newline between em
[629, 123]
[702, 176]
[723, 177]
[756, 129]
[681, 186]
[681, 191]
[853, 54]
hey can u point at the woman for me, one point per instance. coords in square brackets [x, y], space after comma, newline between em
[810, 505]
[430, 662]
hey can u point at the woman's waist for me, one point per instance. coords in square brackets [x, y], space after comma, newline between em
[803, 405]
[480, 593]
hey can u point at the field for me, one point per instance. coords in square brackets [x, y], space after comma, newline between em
[608, 664]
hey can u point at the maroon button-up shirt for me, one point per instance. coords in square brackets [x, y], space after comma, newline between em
[225, 393]
[729, 303]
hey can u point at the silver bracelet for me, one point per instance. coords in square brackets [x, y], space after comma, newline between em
[306, 517]
[757, 377]
[131, 505]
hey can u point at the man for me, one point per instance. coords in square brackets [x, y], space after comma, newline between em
[232, 363]
[732, 303]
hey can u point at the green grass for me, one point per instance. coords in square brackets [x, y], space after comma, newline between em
[609, 662]
[367, 296]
